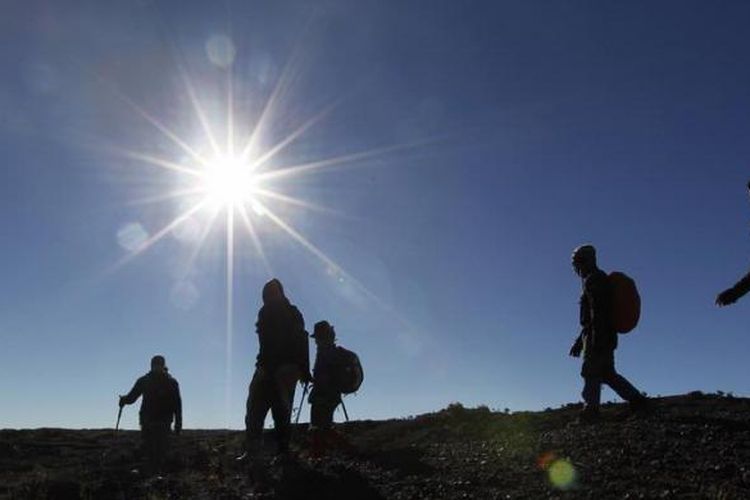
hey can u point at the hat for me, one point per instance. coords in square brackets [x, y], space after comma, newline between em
[323, 329]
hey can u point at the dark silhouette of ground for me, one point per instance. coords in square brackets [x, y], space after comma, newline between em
[693, 446]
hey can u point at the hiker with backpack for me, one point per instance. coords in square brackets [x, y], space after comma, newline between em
[283, 360]
[325, 395]
[598, 337]
[734, 293]
[161, 404]
[336, 371]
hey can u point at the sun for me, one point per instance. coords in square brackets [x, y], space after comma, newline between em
[228, 183]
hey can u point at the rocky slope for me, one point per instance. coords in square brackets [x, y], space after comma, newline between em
[692, 446]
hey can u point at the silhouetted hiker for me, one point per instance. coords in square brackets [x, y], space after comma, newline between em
[160, 404]
[598, 338]
[731, 295]
[283, 360]
[325, 395]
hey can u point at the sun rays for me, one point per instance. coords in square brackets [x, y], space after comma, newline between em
[222, 181]
[243, 179]
[232, 175]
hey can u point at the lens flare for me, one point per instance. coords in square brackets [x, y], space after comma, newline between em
[560, 471]
[132, 236]
[184, 295]
[562, 474]
[221, 51]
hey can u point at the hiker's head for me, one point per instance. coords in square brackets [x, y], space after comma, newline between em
[158, 363]
[324, 333]
[272, 291]
[584, 259]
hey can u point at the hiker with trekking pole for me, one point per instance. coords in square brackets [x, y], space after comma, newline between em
[337, 371]
[609, 305]
[283, 360]
[161, 404]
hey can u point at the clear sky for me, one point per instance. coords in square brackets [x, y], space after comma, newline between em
[477, 142]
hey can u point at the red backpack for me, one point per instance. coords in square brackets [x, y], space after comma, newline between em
[626, 307]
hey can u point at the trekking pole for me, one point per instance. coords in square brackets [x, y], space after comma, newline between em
[119, 414]
[343, 407]
[301, 403]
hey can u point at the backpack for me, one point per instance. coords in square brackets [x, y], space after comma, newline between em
[349, 374]
[626, 302]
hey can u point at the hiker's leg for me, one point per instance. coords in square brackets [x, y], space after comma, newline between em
[151, 445]
[618, 383]
[622, 387]
[591, 371]
[329, 407]
[146, 451]
[321, 420]
[324, 402]
[321, 415]
[161, 445]
[592, 393]
[256, 409]
[282, 402]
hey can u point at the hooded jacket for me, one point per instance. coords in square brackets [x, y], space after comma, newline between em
[161, 398]
[281, 331]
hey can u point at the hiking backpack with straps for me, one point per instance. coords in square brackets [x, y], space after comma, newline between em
[626, 302]
[349, 374]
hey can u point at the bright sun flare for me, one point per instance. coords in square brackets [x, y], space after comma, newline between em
[229, 183]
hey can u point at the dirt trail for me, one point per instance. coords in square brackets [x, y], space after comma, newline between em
[692, 446]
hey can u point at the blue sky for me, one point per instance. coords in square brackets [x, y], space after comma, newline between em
[508, 133]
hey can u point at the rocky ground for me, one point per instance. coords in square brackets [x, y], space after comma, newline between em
[692, 446]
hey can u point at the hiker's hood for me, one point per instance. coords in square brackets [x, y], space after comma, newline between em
[273, 291]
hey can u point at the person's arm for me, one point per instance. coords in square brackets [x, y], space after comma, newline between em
[261, 326]
[134, 393]
[303, 348]
[731, 295]
[177, 409]
[577, 347]
[306, 375]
